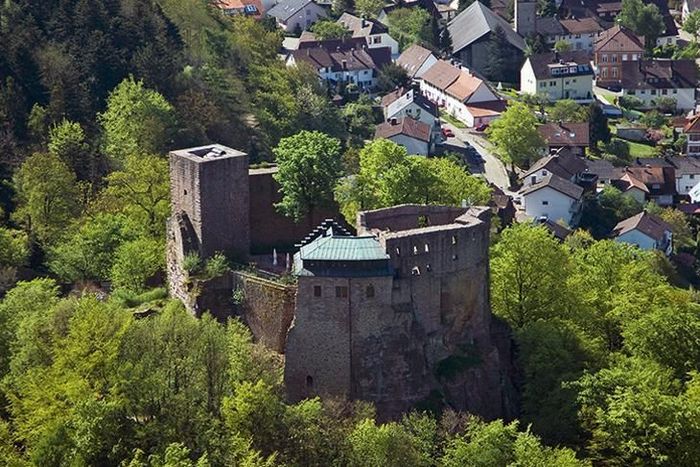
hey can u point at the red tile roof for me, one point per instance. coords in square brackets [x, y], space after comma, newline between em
[404, 126]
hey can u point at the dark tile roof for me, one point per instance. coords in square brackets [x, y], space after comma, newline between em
[413, 58]
[581, 25]
[361, 27]
[659, 74]
[619, 39]
[441, 75]
[285, 9]
[556, 183]
[549, 26]
[476, 21]
[603, 169]
[663, 177]
[565, 134]
[404, 126]
[685, 165]
[543, 64]
[332, 53]
[559, 231]
[564, 165]
[648, 224]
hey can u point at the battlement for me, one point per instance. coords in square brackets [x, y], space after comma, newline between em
[406, 217]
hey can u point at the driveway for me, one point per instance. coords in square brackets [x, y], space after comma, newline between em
[486, 163]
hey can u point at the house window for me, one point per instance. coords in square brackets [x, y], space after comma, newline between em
[605, 58]
[653, 92]
[552, 83]
[613, 58]
[631, 92]
[454, 240]
[309, 381]
[624, 57]
[664, 91]
[604, 72]
[398, 251]
[675, 91]
[317, 290]
[634, 57]
[377, 39]
[341, 292]
[545, 203]
[427, 248]
[308, 12]
[573, 80]
[691, 176]
[533, 179]
[454, 257]
[614, 72]
[369, 291]
[543, 84]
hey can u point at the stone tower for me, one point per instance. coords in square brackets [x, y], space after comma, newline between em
[210, 196]
[526, 17]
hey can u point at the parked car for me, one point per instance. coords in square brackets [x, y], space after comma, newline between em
[482, 127]
[447, 132]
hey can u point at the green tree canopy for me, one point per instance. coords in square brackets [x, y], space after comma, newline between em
[643, 19]
[309, 167]
[328, 29]
[368, 8]
[137, 121]
[46, 195]
[567, 110]
[389, 176]
[515, 135]
[410, 26]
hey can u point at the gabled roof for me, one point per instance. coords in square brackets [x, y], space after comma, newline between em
[603, 169]
[565, 134]
[559, 231]
[464, 86]
[581, 25]
[564, 165]
[338, 55]
[361, 27]
[475, 22]
[556, 183]
[543, 64]
[413, 58]
[285, 9]
[650, 176]
[397, 100]
[628, 181]
[441, 75]
[650, 225]
[685, 165]
[659, 74]
[404, 126]
[619, 38]
[247, 7]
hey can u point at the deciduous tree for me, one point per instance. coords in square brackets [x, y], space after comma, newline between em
[515, 135]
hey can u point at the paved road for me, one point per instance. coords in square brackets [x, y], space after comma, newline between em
[488, 164]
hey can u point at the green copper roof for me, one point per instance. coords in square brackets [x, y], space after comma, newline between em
[343, 248]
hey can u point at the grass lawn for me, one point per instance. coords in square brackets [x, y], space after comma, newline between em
[607, 95]
[450, 119]
[641, 150]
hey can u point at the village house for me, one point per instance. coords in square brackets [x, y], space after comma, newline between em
[614, 47]
[417, 137]
[686, 170]
[293, 15]
[573, 136]
[649, 80]
[660, 182]
[376, 33]
[416, 60]
[631, 186]
[408, 103]
[692, 132]
[339, 62]
[558, 76]
[471, 32]
[553, 198]
[647, 231]
[462, 94]
[580, 33]
[563, 164]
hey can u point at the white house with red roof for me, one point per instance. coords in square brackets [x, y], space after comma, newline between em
[461, 93]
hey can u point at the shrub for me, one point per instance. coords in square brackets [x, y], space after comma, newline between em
[192, 262]
[630, 102]
[617, 147]
[216, 266]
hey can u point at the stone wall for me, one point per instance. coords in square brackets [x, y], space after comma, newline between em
[268, 228]
[406, 217]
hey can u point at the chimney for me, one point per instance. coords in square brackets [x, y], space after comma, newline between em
[394, 121]
[345, 64]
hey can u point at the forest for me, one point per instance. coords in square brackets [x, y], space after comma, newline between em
[93, 93]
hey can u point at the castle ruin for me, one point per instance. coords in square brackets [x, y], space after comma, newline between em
[397, 314]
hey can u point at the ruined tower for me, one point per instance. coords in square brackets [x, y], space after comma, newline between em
[526, 17]
[210, 199]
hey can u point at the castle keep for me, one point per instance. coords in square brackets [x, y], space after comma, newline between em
[398, 314]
